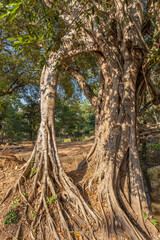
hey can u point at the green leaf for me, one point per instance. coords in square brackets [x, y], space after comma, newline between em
[154, 221]
[4, 15]
[16, 42]
[12, 5]
[154, 24]
[11, 39]
[156, 34]
[13, 14]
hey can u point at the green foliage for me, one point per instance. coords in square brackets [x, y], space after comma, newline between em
[145, 216]
[16, 71]
[73, 119]
[25, 194]
[11, 119]
[20, 121]
[20, 116]
[154, 146]
[35, 26]
[52, 198]
[15, 203]
[32, 162]
[33, 171]
[12, 217]
[32, 212]
[154, 221]
[31, 114]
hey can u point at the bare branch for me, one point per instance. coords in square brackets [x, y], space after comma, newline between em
[149, 129]
[155, 90]
[152, 89]
[149, 104]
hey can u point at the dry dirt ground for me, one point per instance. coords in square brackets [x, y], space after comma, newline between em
[12, 159]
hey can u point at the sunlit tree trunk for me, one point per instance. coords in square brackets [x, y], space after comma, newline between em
[115, 155]
[118, 171]
[69, 212]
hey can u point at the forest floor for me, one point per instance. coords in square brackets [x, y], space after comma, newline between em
[12, 158]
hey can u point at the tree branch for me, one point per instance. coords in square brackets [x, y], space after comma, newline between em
[155, 90]
[88, 92]
[149, 129]
[152, 89]
[11, 90]
[149, 104]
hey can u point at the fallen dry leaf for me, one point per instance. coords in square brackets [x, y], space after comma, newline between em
[40, 190]
[98, 207]
[77, 234]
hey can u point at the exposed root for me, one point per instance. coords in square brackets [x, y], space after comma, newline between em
[119, 217]
[51, 196]
[18, 231]
[92, 150]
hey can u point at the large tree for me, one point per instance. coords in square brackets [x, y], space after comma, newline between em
[124, 37]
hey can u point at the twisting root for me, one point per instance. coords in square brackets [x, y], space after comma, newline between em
[52, 196]
[18, 231]
[92, 150]
[34, 187]
[123, 216]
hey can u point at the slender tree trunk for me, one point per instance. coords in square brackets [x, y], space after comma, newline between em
[56, 199]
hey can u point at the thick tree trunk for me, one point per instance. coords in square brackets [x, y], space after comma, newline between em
[115, 154]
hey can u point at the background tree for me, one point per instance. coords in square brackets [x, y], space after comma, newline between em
[16, 71]
[73, 119]
[31, 113]
[12, 123]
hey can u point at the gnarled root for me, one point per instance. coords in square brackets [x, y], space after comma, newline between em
[52, 197]
[123, 213]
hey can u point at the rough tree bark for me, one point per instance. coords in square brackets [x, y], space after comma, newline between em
[118, 172]
[115, 153]
[117, 179]
[69, 214]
